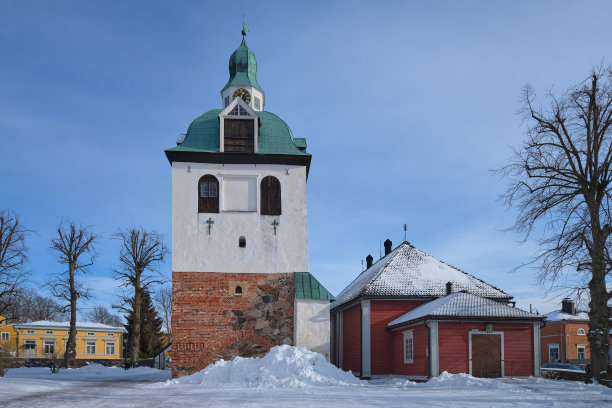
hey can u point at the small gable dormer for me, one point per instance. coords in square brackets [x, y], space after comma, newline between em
[238, 128]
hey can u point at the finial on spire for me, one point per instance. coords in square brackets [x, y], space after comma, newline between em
[245, 29]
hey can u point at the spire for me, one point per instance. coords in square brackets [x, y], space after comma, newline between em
[243, 65]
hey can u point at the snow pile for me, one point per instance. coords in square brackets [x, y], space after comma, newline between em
[90, 372]
[446, 379]
[283, 367]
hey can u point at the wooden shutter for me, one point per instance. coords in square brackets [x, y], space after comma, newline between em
[270, 196]
[208, 194]
[239, 135]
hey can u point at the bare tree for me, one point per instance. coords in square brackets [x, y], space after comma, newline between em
[100, 314]
[163, 299]
[140, 255]
[13, 257]
[560, 177]
[27, 305]
[73, 242]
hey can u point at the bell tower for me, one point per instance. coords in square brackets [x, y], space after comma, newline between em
[241, 282]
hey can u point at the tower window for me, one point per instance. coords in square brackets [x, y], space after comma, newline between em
[227, 100]
[239, 135]
[238, 111]
[208, 194]
[257, 103]
[242, 242]
[270, 196]
[238, 291]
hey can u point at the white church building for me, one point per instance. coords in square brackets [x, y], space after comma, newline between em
[240, 274]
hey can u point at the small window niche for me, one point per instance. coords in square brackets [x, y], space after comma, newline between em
[242, 242]
[238, 291]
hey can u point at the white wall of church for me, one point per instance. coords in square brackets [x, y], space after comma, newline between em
[312, 325]
[195, 250]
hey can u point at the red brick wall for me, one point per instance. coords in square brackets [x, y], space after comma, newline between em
[209, 322]
[420, 366]
[351, 339]
[381, 313]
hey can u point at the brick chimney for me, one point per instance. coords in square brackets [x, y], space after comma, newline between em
[567, 306]
[387, 245]
[449, 288]
[369, 260]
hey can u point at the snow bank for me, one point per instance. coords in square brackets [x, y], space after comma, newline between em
[90, 372]
[283, 367]
[463, 380]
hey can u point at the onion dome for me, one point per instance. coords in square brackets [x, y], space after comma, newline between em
[243, 68]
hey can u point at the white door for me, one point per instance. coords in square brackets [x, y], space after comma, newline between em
[29, 348]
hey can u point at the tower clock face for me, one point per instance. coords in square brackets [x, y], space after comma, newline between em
[242, 93]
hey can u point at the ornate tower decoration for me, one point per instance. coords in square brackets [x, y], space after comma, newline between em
[239, 232]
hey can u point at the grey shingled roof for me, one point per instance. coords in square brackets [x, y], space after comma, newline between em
[464, 305]
[410, 272]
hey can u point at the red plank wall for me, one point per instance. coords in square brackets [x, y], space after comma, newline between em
[420, 367]
[381, 339]
[453, 343]
[351, 339]
[518, 348]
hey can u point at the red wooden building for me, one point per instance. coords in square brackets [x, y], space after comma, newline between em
[411, 314]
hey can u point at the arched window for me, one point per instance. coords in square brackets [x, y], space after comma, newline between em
[208, 194]
[270, 196]
[581, 332]
[238, 291]
[242, 242]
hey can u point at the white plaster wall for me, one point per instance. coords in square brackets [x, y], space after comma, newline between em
[194, 250]
[312, 325]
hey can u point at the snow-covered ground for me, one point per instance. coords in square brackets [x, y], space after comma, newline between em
[287, 376]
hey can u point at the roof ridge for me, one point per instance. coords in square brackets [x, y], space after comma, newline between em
[462, 271]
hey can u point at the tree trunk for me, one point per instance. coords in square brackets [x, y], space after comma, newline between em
[598, 315]
[70, 353]
[135, 338]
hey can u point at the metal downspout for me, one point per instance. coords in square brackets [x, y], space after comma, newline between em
[428, 349]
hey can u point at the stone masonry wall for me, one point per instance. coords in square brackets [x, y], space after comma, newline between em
[211, 322]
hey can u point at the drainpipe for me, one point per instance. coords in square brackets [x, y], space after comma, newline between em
[428, 349]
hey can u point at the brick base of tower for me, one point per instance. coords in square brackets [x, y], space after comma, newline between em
[210, 321]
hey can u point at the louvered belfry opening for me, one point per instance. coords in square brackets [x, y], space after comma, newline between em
[208, 194]
[270, 196]
[239, 135]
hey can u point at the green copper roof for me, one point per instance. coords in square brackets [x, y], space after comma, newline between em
[307, 287]
[275, 136]
[243, 68]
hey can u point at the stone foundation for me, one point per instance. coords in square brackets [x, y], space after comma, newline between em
[211, 321]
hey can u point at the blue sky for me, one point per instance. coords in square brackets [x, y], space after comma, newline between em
[406, 106]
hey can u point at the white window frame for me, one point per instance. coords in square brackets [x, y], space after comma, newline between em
[550, 348]
[408, 346]
[110, 334]
[107, 344]
[48, 343]
[48, 331]
[91, 334]
[6, 336]
[578, 346]
[581, 332]
[30, 331]
[90, 347]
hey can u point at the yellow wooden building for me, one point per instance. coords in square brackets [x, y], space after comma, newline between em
[47, 339]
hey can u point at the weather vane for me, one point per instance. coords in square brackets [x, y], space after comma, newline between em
[245, 29]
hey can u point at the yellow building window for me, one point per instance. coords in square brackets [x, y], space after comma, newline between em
[90, 347]
[110, 347]
[6, 336]
[49, 347]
